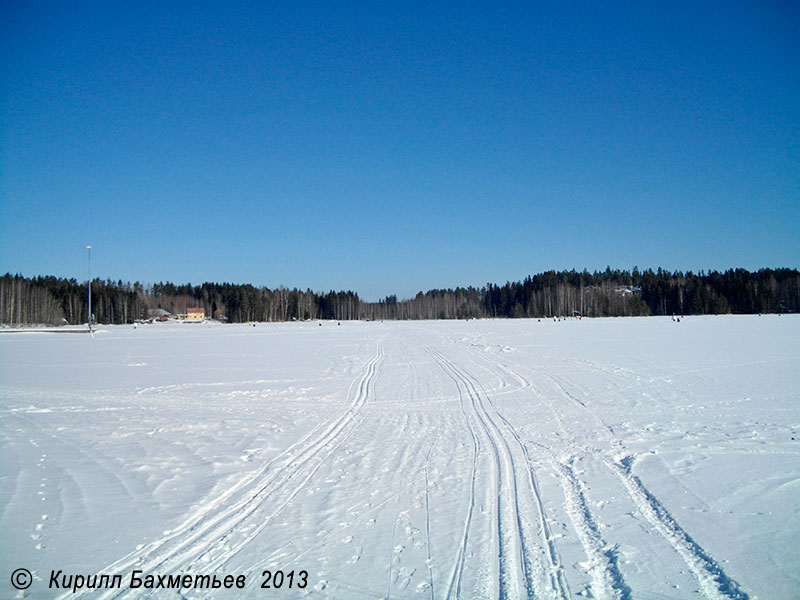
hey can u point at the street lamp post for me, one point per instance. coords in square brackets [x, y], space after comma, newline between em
[89, 285]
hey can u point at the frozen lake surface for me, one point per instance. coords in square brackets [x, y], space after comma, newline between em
[604, 458]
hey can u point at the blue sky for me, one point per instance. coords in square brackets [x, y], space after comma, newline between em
[395, 147]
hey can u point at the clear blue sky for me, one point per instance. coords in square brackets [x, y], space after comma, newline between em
[395, 147]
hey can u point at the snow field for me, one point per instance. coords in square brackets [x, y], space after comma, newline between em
[607, 458]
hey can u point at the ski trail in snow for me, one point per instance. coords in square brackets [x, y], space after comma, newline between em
[499, 568]
[606, 580]
[225, 525]
[393, 552]
[714, 583]
[454, 587]
[428, 523]
[556, 572]
[518, 571]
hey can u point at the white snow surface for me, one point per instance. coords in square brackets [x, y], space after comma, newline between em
[600, 458]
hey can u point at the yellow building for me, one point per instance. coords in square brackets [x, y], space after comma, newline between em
[195, 314]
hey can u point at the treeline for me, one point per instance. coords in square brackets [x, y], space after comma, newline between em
[648, 292]
[52, 300]
[58, 301]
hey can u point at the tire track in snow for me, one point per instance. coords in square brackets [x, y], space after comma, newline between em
[209, 538]
[714, 583]
[518, 573]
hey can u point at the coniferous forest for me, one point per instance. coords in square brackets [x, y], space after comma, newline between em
[58, 301]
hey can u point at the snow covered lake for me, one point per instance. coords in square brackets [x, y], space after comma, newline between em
[604, 458]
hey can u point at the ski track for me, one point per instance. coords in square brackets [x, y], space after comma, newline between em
[454, 586]
[506, 549]
[429, 563]
[714, 582]
[402, 489]
[209, 538]
[607, 581]
[518, 571]
[558, 580]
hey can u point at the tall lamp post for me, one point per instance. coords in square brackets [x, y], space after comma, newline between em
[89, 285]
